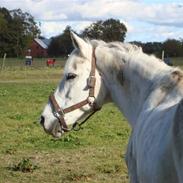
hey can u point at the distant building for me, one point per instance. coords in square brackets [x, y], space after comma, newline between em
[39, 47]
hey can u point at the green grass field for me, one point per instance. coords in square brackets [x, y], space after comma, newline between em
[178, 61]
[94, 154]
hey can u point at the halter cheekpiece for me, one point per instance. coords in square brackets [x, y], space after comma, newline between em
[59, 112]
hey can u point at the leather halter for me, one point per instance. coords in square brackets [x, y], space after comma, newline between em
[59, 112]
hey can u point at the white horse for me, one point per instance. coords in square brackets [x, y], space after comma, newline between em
[147, 92]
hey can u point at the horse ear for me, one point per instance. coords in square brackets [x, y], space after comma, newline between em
[79, 43]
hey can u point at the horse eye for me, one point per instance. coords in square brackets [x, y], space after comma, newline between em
[70, 76]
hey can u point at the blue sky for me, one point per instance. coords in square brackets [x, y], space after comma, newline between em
[146, 20]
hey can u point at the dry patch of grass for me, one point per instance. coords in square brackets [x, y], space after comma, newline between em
[100, 164]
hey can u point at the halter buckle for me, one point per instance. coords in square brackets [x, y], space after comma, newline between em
[91, 81]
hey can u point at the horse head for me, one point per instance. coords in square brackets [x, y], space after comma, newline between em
[80, 92]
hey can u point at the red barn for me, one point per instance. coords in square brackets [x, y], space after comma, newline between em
[39, 47]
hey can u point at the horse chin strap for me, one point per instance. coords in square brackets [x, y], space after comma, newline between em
[59, 112]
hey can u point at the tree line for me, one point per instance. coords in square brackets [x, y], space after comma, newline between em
[171, 47]
[113, 30]
[108, 30]
[18, 29]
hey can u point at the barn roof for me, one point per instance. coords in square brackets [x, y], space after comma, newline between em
[41, 43]
[46, 41]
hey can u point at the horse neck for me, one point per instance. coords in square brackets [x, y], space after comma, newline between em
[129, 83]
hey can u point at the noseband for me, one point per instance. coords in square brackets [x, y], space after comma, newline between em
[59, 112]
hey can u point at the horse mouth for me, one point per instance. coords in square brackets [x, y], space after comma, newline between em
[57, 134]
[55, 131]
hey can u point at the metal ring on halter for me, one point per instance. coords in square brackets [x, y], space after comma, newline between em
[91, 102]
[56, 114]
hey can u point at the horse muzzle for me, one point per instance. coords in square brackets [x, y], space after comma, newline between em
[53, 128]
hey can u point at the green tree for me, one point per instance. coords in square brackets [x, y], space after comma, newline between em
[61, 44]
[108, 30]
[173, 48]
[5, 35]
[17, 29]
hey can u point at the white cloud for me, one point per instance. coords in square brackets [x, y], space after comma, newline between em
[144, 32]
[142, 18]
[50, 29]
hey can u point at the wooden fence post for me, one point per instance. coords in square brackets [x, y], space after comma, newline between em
[163, 55]
[3, 64]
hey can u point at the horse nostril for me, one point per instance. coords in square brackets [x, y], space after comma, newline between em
[42, 120]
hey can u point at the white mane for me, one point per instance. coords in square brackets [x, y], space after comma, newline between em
[128, 68]
[146, 65]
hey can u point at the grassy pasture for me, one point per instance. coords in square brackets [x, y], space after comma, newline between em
[28, 155]
[178, 61]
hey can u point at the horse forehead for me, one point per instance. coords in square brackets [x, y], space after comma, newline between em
[74, 63]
